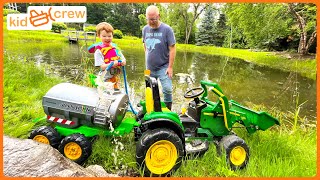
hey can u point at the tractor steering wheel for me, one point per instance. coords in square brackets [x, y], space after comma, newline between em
[195, 92]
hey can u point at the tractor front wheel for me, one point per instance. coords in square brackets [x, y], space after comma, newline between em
[46, 135]
[159, 152]
[237, 151]
[76, 147]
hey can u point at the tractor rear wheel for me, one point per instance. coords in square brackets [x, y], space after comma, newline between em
[159, 152]
[46, 135]
[237, 151]
[76, 147]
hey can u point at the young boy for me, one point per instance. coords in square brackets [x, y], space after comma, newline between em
[106, 53]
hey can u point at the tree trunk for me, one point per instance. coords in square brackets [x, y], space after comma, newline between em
[195, 14]
[304, 45]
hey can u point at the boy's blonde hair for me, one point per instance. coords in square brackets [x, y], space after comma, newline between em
[104, 26]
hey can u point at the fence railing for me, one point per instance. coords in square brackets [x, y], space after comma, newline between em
[79, 35]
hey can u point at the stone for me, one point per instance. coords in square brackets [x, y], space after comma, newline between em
[28, 158]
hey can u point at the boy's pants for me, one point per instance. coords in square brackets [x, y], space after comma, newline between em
[116, 80]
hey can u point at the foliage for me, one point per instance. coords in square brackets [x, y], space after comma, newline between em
[122, 16]
[117, 34]
[178, 24]
[273, 26]
[304, 16]
[90, 29]
[12, 37]
[183, 21]
[235, 38]
[9, 11]
[220, 31]
[260, 23]
[23, 91]
[205, 34]
[58, 26]
[97, 12]
[142, 21]
[175, 21]
[114, 154]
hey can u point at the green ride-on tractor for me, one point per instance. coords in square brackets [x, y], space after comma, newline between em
[78, 113]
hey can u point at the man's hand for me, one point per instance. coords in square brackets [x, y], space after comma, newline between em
[169, 72]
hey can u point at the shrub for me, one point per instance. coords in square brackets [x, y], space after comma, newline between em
[117, 34]
[58, 26]
[9, 11]
[90, 29]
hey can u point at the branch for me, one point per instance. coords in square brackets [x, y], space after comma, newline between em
[311, 39]
[299, 18]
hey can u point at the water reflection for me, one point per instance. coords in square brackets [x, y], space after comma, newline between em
[240, 80]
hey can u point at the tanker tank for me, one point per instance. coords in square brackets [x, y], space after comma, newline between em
[70, 105]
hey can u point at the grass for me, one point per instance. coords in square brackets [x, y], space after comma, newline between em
[285, 151]
[23, 91]
[37, 36]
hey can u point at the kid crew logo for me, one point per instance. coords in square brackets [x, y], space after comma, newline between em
[41, 17]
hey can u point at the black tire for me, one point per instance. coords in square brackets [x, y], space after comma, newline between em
[236, 150]
[46, 135]
[159, 141]
[76, 147]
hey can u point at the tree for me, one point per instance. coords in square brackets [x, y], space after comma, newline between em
[235, 38]
[260, 23]
[183, 21]
[190, 18]
[305, 17]
[205, 34]
[265, 24]
[220, 31]
[174, 19]
[122, 16]
[96, 12]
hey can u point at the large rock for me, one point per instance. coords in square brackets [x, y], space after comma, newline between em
[28, 158]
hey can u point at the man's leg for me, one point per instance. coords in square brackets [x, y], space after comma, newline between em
[166, 83]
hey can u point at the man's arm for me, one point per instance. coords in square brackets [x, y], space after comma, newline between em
[144, 47]
[172, 56]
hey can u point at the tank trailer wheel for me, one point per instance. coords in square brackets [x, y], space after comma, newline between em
[46, 135]
[194, 92]
[237, 151]
[76, 147]
[159, 152]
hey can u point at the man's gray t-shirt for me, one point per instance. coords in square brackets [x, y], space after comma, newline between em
[157, 42]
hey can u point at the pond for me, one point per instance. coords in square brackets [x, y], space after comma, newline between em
[241, 81]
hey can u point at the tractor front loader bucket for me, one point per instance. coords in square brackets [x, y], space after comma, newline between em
[253, 119]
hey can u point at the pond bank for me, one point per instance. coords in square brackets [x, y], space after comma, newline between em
[278, 60]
